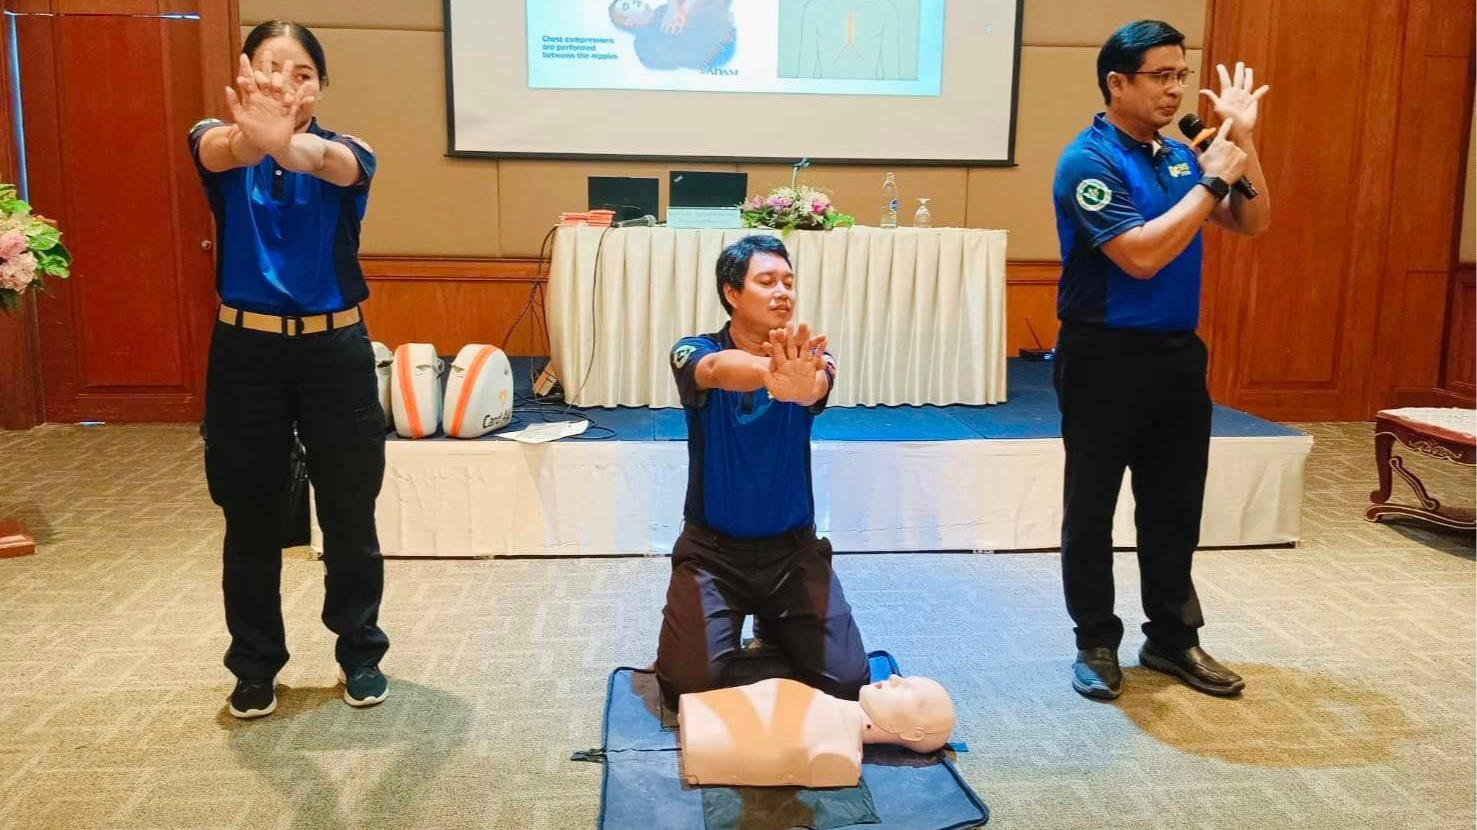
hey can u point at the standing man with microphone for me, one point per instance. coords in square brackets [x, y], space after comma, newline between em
[1130, 370]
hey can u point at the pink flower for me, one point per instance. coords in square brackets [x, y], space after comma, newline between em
[12, 244]
[18, 272]
[780, 202]
[756, 203]
[821, 201]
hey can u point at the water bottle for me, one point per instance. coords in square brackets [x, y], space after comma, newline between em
[889, 202]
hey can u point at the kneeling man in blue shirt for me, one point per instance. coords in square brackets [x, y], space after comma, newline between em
[748, 543]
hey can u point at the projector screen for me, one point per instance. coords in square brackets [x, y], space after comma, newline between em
[921, 81]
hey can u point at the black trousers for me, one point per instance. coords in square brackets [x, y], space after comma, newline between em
[786, 582]
[257, 388]
[1134, 400]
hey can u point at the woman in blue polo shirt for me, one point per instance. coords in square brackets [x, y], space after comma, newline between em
[289, 350]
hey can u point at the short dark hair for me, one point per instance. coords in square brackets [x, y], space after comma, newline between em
[1125, 48]
[733, 263]
[298, 32]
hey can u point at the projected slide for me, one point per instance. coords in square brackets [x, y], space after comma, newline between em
[823, 47]
[869, 81]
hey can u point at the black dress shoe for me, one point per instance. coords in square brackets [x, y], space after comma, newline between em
[1195, 667]
[1096, 673]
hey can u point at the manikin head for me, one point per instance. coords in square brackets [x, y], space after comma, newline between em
[631, 14]
[1142, 73]
[915, 711]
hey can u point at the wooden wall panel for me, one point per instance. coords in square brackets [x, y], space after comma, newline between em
[1430, 153]
[1461, 355]
[1289, 315]
[141, 7]
[451, 303]
[1467, 251]
[1344, 300]
[1030, 305]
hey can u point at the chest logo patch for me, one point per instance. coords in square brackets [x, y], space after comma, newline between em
[1179, 170]
[1093, 195]
[681, 355]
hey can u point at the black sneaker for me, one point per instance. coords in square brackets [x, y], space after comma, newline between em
[1096, 674]
[254, 697]
[363, 685]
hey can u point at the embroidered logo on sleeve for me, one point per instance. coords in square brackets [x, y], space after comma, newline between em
[1179, 170]
[681, 355]
[1093, 195]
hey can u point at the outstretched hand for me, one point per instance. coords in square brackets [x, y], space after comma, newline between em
[795, 361]
[1237, 101]
[265, 104]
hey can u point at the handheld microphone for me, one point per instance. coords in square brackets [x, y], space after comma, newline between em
[647, 221]
[1199, 134]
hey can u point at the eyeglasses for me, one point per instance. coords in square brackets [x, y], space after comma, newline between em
[1167, 78]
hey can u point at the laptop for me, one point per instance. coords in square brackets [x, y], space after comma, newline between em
[629, 196]
[693, 189]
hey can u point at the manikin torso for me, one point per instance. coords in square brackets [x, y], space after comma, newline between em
[772, 733]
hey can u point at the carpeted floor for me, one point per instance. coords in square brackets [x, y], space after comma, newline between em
[1358, 648]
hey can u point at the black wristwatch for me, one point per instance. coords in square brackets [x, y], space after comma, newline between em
[1216, 185]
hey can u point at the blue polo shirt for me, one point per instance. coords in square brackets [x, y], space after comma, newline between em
[287, 243]
[748, 456]
[1108, 182]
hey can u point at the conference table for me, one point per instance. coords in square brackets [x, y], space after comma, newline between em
[914, 316]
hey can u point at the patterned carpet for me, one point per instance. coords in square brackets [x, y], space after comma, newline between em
[1358, 648]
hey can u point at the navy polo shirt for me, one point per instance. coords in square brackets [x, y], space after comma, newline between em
[748, 456]
[1108, 182]
[287, 243]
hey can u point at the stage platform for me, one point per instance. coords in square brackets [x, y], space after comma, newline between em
[886, 479]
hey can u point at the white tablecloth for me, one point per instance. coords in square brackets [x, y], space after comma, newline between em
[912, 316]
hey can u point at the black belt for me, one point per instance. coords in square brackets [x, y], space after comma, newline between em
[1091, 331]
[803, 534]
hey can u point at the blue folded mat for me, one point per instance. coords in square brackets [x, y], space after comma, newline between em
[643, 789]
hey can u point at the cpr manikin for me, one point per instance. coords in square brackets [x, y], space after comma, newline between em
[479, 392]
[384, 370]
[415, 390]
[782, 732]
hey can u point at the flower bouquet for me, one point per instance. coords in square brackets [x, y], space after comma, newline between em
[788, 208]
[30, 247]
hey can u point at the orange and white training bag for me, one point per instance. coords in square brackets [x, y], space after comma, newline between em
[479, 392]
[415, 390]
